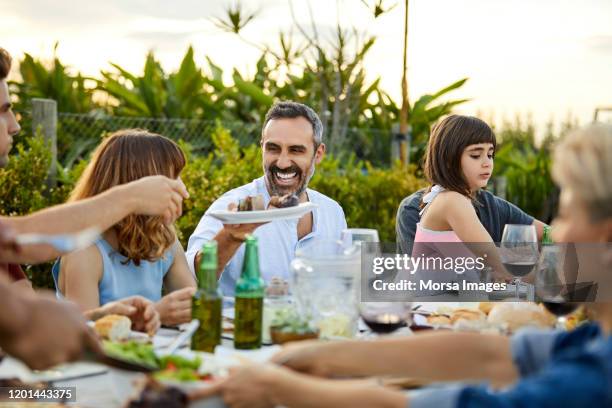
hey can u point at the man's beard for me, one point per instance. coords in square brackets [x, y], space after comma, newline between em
[4, 159]
[304, 179]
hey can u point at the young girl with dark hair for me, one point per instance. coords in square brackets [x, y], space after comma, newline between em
[458, 163]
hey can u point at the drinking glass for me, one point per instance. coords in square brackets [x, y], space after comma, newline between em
[551, 286]
[385, 317]
[519, 251]
[352, 236]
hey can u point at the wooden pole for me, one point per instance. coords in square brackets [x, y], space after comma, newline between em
[44, 119]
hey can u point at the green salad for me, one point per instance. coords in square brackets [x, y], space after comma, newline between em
[132, 351]
[171, 367]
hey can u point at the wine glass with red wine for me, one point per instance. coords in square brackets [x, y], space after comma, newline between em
[551, 286]
[385, 317]
[519, 251]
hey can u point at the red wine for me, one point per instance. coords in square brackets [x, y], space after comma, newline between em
[560, 308]
[520, 268]
[382, 324]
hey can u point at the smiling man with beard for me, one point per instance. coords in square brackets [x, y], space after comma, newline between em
[292, 146]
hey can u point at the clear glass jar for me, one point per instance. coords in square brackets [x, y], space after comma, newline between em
[325, 285]
[276, 299]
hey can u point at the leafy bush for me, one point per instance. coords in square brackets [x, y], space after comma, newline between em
[22, 182]
[529, 181]
[526, 167]
[369, 196]
[23, 190]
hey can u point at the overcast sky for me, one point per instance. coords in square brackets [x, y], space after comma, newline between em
[544, 57]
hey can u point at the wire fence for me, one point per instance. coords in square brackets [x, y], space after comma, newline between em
[89, 129]
[78, 134]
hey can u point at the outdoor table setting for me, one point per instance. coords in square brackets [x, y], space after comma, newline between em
[321, 301]
[97, 385]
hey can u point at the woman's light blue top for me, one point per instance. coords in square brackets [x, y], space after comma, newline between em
[122, 278]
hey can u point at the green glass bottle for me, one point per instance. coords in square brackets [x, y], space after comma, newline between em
[249, 300]
[547, 236]
[206, 302]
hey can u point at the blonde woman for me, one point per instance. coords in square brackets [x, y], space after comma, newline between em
[140, 255]
[536, 368]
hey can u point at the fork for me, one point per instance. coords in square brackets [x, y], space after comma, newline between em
[183, 337]
[61, 242]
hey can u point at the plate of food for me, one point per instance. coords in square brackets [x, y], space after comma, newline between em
[251, 210]
[484, 317]
[180, 368]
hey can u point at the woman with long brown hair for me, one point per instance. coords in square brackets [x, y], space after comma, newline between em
[140, 255]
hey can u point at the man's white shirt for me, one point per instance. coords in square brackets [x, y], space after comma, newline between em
[278, 240]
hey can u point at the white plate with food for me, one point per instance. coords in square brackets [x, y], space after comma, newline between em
[260, 216]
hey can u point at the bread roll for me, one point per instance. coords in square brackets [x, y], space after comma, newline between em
[113, 327]
[438, 320]
[485, 307]
[467, 314]
[520, 314]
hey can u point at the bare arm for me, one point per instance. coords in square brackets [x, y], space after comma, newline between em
[539, 226]
[272, 385]
[155, 195]
[434, 356]
[13, 301]
[460, 215]
[298, 390]
[179, 276]
[80, 275]
[228, 243]
[175, 307]
[41, 331]
[24, 286]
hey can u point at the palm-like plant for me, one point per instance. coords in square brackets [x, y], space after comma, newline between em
[55, 81]
[423, 113]
[52, 81]
[378, 7]
[156, 94]
[237, 19]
